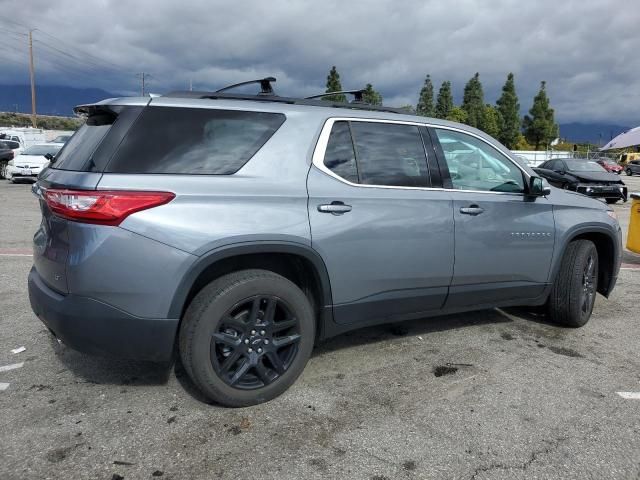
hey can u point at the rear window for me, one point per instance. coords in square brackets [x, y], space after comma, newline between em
[193, 141]
[80, 148]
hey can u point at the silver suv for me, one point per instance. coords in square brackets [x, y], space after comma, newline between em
[239, 230]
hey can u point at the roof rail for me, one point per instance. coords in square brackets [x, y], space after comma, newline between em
[265, 96]
[265, 85]
[357, 95]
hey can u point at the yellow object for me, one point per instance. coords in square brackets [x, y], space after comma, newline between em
[633, 236]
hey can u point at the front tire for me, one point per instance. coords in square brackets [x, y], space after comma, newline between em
[629, 172]
[246, 337]
[574, 290]
[612, 200]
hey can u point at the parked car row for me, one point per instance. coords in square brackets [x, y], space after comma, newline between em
[28, 164]
[24, 153]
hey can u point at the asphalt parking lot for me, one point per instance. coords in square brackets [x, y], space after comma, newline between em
[488, 395]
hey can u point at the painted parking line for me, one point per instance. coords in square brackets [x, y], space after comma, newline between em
[4, 386]
[16, 252]
[629, 395]
[630, 266]
[13, 366]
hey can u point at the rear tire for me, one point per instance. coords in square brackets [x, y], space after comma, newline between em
[246, 337]
[612, 200]
[629, 172]
[574, 290]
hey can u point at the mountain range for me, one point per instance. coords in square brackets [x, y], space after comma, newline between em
[50, 99]
[60, 100]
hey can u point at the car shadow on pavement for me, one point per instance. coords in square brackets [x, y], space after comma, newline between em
[421, 326]
[111, 370]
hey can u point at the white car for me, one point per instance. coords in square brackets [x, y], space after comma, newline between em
[30, 162]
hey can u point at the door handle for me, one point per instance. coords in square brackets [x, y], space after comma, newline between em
[336, 208]
[471, 210]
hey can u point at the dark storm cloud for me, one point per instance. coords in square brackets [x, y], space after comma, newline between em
[585, 50]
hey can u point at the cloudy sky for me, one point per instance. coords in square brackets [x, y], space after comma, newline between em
[588, 51]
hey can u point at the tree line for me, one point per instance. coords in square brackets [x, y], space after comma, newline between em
[502, 120]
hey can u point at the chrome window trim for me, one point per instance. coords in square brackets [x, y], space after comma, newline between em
[323, 140]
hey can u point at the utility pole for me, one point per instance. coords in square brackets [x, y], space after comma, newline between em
[143, 76]
[33, 82]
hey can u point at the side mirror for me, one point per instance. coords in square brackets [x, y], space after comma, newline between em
[538, 187]
[562, 172]
[48, 156]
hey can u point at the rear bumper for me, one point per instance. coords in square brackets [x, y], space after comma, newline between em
[93, 327]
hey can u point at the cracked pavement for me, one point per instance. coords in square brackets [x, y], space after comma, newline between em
[485, 395]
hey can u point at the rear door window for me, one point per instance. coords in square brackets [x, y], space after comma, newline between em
[390, 154]
[193, 141]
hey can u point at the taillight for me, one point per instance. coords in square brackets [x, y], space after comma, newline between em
[105, 207]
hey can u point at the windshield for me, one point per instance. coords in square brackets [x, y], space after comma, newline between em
[41, 150]
[609, 162]
[584, 166]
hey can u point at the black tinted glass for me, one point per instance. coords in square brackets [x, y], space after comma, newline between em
[390, 154]
[79, 150]
[193, 141]
[339, 156]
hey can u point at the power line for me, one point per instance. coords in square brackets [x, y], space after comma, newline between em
[60, 53]
[101, 60]
[66, 48]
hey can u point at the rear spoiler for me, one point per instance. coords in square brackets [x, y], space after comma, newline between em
[109, 105]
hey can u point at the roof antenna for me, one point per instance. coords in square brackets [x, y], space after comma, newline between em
[265, 86]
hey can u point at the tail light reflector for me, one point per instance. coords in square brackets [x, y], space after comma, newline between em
[104, 207]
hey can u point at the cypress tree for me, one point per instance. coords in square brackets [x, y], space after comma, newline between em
[444, 103]
[492, 121]
[509, 110]
[457, 114]
[425, 101]
[539, 126]
[473, 102]
[370, 96]
[334, 85]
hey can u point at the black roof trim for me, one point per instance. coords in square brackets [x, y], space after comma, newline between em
[357, 94]
[287, 100]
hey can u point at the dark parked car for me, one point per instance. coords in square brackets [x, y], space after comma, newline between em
[239, 230]
[610, 165]
[6, 154]
[633, 168]
[583, 176]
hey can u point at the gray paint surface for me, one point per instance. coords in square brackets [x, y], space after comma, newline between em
[394, 244]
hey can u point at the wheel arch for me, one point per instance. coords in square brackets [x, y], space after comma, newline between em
[296, 262]
[608, 255]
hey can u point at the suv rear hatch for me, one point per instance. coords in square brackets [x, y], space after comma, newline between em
[77, 167]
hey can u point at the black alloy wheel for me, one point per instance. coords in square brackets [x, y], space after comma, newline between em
[246, 337]
[255, 343]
